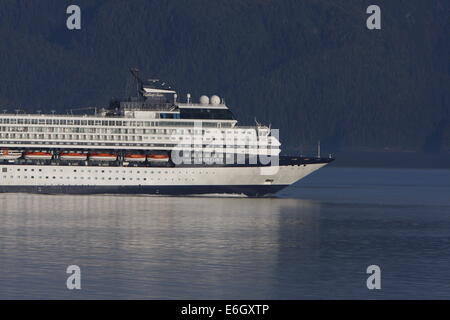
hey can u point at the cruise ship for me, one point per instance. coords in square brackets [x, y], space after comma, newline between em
[151, 143]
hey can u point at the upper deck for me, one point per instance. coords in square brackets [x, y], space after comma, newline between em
[155, 119]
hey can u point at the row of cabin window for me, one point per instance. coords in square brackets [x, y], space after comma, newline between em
[4, 170]
[227, 133]
[103, 178]
[115, 123]
[75, 178]
[69, 137]
[152, 145]
[114, 137]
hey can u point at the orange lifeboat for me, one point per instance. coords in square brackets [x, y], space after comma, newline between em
[38, 156]
[158, 158]
[134, 158]
[5, 154]
[102, 157]
[72, 156]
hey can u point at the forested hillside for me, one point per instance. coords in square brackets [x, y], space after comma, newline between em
[310, 67]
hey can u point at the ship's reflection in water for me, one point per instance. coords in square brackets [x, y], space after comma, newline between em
[152, 247]
[233, 248]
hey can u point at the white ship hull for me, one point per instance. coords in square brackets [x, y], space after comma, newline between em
[249, 181]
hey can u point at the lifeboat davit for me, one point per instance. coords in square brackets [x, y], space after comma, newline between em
[134, 158]
[38, 156]
[72, 156]
[9, 155]
[158, 157]
[102, 157]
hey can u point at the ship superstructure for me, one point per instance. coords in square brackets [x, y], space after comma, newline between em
[148, 144]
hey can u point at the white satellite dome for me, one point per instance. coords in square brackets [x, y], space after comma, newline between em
[215, 100]
[204, 100]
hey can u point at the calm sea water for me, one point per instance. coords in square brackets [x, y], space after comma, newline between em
[313, 241]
